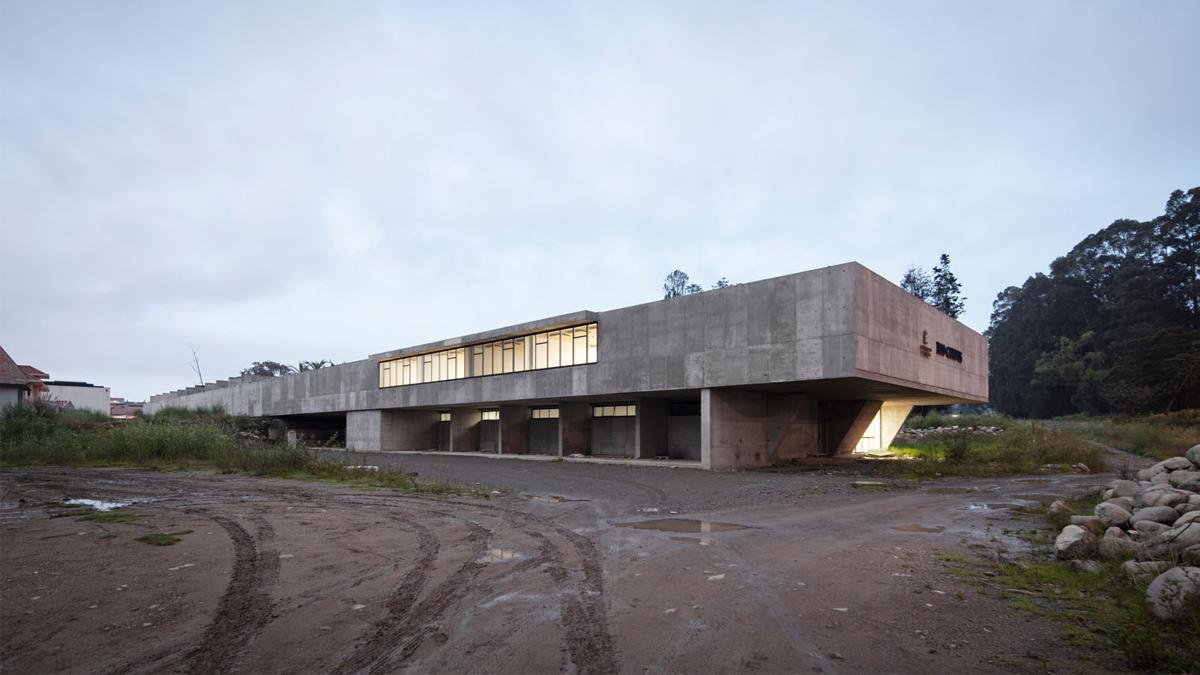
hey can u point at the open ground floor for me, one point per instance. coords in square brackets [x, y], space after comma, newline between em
[587, 569]
[717, 428]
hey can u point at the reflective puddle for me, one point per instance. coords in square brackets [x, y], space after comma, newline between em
[682, 525]
[97, 504]
[498, 555]
[982, 508]
[919, 528]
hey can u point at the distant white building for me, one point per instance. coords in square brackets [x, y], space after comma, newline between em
[77, 395]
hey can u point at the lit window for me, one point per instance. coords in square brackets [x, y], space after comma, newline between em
[489, 415]
[629, 410]
[545, 413]
[444, 417]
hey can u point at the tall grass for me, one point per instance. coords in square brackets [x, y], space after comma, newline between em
[1156, 436]
[1022, 448]
[38, 434]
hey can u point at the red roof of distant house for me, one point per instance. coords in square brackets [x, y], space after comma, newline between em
[10, 372]
[34, 373]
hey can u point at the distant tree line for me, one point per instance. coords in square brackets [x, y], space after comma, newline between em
[275, 369]
[1114, 327]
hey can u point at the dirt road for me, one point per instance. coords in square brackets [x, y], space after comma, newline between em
[752, 572]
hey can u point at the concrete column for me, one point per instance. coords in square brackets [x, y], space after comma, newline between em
[848, 422]
[464, 430]
[574, 428]
[364, 429]
[733, 429]
[650, 428]
[891, 419]
[408, 429]
[514, 430]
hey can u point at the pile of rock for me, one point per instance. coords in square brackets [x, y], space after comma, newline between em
[928, 432]
[1154, 523]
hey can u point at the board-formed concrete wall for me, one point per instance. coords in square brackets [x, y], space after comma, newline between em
[838, 324]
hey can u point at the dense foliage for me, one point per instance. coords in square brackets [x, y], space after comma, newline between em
[1113, 328]
[941, 289]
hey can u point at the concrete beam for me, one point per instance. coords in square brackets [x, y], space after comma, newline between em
[364, 430]
[574, 428]
[733, 430]
[382, 430]
[650, 428]
[514, 430]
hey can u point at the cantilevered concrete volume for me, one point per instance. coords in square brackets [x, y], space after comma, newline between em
[824, 362]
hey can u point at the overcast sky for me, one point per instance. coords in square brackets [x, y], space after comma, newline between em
[279, 180]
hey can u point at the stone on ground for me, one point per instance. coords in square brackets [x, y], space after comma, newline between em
[1111, 514]
[1193, 455]
[1117, 545]
[1175, 593]
[1074, 542]
[1159, 514]
[1143, 569]
[1091, 523]
[1124, 488]
[1185, 480]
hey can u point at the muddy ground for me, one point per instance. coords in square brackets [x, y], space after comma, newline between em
[754, 572]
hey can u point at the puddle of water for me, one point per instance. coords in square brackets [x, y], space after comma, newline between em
[703, 541]
[983, 508]
[951, 490]
[919, 528]
[682, 525]
[97, 504]
[497, 555]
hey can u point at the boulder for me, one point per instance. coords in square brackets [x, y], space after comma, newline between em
[1193, 455]
[1116, 545]
[1159, 514]
[1185, 480]
[1186, 508]
[1090, 523]
[1163, 495]
[1123, 502]
[1124, 488]
[1164, 466]
[1145, 569]
[1074, 542]
[1172, 541]
[1187, 518]
[1175, 593]
[1111, 514]
[1194, 500]
[1083, 468]
[1147, 527]
[1059, 506]
[1191, 555]
[1163, 478]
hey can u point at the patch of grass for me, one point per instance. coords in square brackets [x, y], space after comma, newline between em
[937, 420]
[1154, 436]
[1023, 448]
[163, 538]
[114, 516]
[38, 434]
[1105, 609]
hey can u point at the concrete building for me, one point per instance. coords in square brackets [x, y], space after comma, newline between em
[77, 395]
[826, 362]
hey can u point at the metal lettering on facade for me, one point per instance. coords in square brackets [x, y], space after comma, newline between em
[949, 352]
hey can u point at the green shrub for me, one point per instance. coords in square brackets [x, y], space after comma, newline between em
[1023, 448]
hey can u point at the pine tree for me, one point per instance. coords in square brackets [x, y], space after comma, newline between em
[946, 294]
[917, 282]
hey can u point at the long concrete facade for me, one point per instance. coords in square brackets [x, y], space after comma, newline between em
[824, 362]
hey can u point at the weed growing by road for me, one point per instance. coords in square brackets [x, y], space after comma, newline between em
[1155, 436]
[114, 516]
[38, 434]
[1024, 447]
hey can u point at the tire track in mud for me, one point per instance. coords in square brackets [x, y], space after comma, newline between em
[246, 605]
[399, 602]
[582, 602]
[400, 639]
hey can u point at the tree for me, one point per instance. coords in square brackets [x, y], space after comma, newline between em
[675, 285]
[314, 365]
[268, 369]
[721, 283]
[946, 292]
[917, 282]
[195, 364]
